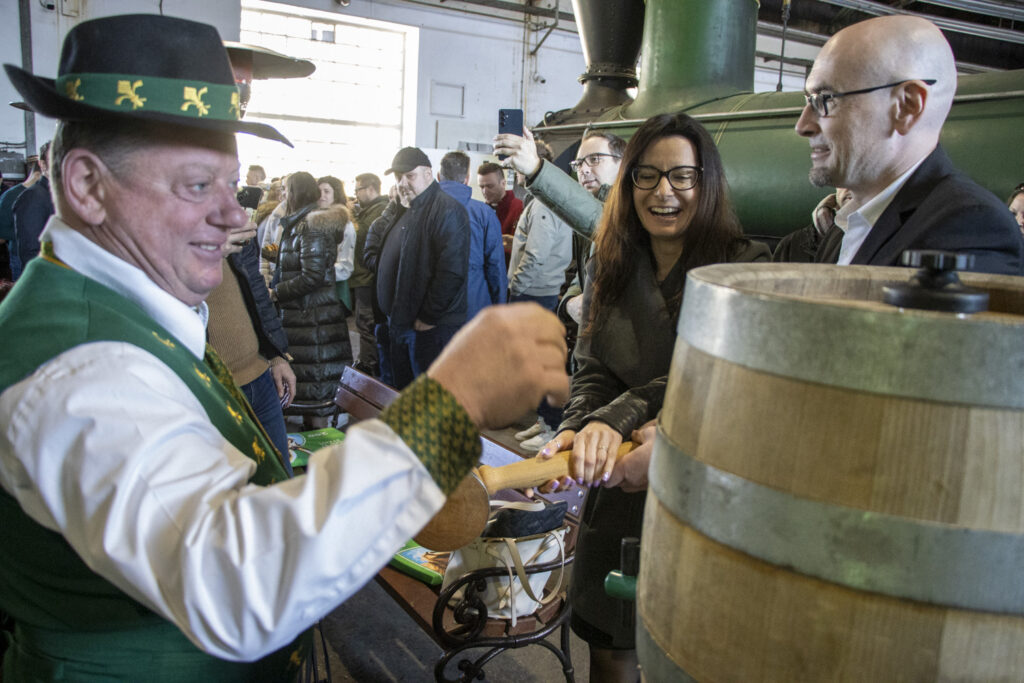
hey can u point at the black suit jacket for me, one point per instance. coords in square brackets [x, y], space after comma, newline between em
[939, 208]
[31, 212]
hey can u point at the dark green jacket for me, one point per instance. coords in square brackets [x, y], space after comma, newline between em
[364, 217]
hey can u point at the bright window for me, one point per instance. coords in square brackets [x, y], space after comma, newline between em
[353, 113]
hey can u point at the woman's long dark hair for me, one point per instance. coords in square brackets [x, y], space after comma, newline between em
[303, 190]
[713, 235]
[337, 186]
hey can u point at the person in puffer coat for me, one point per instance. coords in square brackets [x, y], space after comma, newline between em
[303, 288]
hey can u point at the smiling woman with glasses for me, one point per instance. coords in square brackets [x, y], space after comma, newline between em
[679, 177]
[668, 212]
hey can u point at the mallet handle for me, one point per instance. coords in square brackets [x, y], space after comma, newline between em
[531, 471]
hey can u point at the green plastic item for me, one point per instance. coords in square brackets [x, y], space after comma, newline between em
[304, 444]
[421, 563]
[620, 586]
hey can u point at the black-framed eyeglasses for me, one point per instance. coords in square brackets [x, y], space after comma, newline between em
[819, 101]
[679, 177]
[591, 160]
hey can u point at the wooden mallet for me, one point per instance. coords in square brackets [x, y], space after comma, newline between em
[465, 513]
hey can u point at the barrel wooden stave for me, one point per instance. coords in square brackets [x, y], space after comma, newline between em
[722, 615]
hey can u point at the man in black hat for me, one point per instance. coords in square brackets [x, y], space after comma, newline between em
[148, 527]
[421, 268]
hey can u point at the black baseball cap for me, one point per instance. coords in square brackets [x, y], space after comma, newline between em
[407, 159]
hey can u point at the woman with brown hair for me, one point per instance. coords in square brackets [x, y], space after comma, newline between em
[667, 212]
[303, 288]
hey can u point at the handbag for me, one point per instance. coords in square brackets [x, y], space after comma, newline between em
[515, 594]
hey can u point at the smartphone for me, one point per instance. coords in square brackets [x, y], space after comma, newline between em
[510, 121]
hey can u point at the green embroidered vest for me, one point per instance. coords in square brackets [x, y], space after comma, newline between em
[71, 624]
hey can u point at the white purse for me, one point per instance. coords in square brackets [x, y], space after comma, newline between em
[515, 594]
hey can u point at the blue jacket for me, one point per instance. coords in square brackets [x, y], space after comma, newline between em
[486, 282]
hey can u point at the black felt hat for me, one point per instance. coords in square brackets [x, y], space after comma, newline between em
[407, 159]
[141, 67]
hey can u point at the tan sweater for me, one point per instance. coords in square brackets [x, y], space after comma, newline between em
[231, 332]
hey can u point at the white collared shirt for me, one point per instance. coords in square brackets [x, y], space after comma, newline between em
[82, 255]
[856, 225]
[105, 445]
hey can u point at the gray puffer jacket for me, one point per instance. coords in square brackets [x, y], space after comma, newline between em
[313, 318]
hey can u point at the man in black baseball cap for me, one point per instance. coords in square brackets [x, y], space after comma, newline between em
[149, 528]
[406, 160]
[422, 263]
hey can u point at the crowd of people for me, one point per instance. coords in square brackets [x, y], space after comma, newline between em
[159, 513]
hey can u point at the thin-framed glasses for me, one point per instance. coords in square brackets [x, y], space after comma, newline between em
[679, 177]
[591, 160]
[819, 101]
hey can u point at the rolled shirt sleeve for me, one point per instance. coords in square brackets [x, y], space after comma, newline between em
[107, 446]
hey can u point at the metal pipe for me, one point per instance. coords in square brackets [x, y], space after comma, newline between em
[993, 8]
[550, 27]
[695, 51]
[516, 7]
[967, 28]
[25, 24]
[521, 9]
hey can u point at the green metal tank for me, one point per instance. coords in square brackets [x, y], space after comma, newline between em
[698, 58]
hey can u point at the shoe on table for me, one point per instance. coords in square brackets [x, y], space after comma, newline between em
[535, 443]
[531, 431]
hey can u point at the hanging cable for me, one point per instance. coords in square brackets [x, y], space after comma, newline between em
[781, 55]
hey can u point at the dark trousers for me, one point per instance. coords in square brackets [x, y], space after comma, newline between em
[384, 366]
[262, 396]
[412, 352]
[362, 302]
[551, 415]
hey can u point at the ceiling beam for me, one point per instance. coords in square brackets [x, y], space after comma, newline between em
[1013, 11]
[965, 27]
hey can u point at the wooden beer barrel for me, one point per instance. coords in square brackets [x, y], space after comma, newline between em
[837, 488]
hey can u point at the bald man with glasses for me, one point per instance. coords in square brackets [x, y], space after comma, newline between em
[876, 99]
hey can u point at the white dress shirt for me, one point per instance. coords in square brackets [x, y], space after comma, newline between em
[105, 445]
[857, 224]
